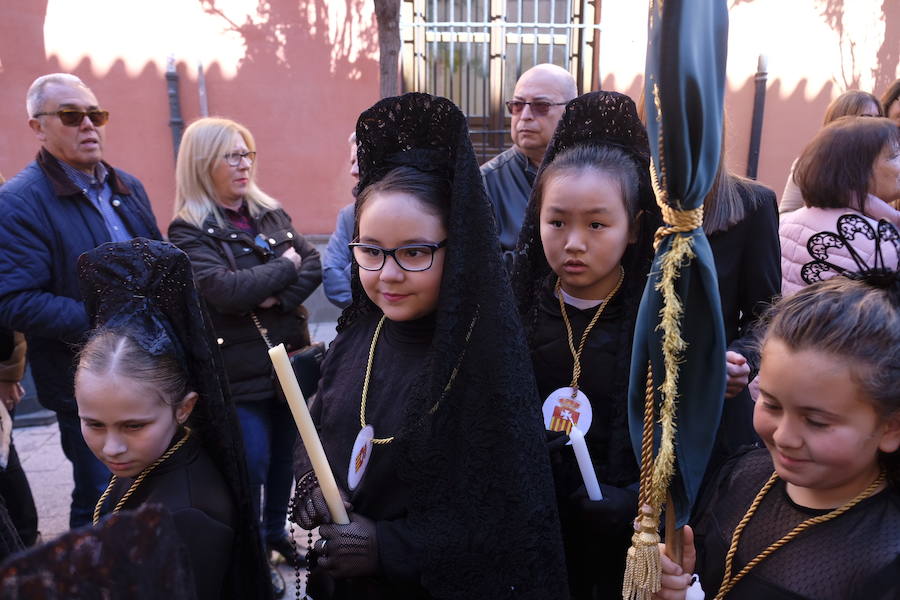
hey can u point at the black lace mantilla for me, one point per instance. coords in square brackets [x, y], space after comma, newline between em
[484, 507]
[131, 554]
[849, 227]
[146, 287]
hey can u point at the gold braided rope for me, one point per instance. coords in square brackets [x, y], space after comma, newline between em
[729, 581]
[642, 565]
[643, 570]
[576, 354]
[137, 481]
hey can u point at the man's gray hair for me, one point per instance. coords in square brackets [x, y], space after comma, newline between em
[34, 99]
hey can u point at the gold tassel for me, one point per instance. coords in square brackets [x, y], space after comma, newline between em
[642, 565]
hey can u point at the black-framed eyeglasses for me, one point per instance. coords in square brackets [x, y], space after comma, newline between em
[73, 118]
[414, 257]
[538, 107]
[234, 158]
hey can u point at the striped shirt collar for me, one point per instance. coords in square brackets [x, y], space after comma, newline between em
[83, 180]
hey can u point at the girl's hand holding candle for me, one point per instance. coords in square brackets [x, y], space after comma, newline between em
[308, 434]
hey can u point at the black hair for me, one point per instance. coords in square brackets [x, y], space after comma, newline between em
[608, 160]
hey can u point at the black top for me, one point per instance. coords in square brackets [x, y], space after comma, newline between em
[190, 486]
[748, 265]
[508, 179]
[607, 440]
[855, 556]
[381, 495]
[595, 544]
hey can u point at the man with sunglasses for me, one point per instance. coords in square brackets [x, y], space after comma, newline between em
[66, 202]
[537, 105]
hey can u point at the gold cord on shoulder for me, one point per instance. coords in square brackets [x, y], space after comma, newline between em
[371, 361]
[137, 481]
[576, 354]
[729, 580]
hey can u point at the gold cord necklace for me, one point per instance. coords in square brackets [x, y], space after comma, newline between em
[576, 354]
[365, 390]
[729, 581]
[137, 481]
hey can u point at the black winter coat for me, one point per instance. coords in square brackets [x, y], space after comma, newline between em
[748, 266]
[47, 223]
[232, 295]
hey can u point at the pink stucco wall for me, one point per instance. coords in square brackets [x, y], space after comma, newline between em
[298, 73]
[299, 83]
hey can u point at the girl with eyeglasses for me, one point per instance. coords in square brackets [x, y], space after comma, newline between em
[255, 271]
[425, 404]
[581, 265]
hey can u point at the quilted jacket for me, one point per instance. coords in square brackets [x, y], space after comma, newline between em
[232, 295]
[47, 223]
[798, 226]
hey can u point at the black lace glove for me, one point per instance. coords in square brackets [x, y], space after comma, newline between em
[612, 515]
[348, 550]
[309, 509]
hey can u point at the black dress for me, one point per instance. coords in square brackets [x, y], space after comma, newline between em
[855, 556]
[595, 559]
[380, 496]
[190, 487]
[748, 265]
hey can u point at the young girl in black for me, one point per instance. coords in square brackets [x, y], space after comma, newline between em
[582, 262]
[816, 514]
[425, 404]
[152, 408]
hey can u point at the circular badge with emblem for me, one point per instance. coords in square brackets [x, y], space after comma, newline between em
[359, 458]
[566, 407]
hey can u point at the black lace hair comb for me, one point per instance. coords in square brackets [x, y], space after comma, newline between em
[849, 228]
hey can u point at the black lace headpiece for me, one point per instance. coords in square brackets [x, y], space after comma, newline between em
[849, 227]
[594, 119]
[144, 289]
[489, 422]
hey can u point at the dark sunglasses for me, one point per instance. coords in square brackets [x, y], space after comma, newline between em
[539, 108]
[74, 118]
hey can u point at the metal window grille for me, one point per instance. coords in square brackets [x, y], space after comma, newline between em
[473, 51]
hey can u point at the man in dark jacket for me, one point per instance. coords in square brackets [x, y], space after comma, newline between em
[64, 203]
[537, 104]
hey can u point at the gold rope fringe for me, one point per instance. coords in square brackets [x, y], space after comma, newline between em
[642, 570]
[642, 563]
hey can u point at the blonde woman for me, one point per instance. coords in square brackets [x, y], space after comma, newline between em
[249, 262]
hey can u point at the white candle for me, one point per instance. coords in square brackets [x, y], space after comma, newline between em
[585, 464]
[308, 434]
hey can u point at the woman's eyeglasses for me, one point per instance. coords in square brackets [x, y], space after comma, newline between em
[539, 108]
[414, 257]
[74, 118]
[234, 159]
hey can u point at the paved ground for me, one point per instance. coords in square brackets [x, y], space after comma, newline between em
[50, 474]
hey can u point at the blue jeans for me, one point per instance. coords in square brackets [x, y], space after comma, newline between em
[91, 476]
[269, 438]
